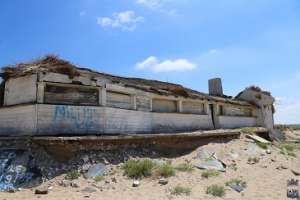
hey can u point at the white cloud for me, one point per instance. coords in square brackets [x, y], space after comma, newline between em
[82, 13]
[176, 65]
[150, 3]
[126, 21]
[158, 5]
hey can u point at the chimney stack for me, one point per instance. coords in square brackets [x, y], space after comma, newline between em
[215, 87]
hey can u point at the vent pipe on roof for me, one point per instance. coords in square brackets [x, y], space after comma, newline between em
[215, 87]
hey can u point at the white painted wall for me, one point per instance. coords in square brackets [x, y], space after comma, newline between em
[20, 90]
[236, 122]
[18, 120]
[44, 119]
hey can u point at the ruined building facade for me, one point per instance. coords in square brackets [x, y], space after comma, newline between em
[50, 96]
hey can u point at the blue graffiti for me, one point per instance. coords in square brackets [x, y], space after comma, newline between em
[80, 117]
[15, 170]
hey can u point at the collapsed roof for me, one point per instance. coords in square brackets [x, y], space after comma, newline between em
[54, 64]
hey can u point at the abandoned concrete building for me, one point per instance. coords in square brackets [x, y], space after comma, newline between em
[51, 96]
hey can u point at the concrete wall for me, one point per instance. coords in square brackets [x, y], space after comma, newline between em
[193, 107]
[20, 90]
[18, 120]
[65, 119]
[44, 119]
[164, 106]
[236, 122]
[168, 122]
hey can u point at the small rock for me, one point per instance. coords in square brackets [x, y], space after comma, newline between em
[268, 151]
[295, 172]
[163, 181]
[281, 167]
[64, 183]
[114, 180]
[135, 183]
[41, 191]
[85, 158]
[89, 190]
[74, 184]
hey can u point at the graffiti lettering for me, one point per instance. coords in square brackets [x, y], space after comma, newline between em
[79, 117]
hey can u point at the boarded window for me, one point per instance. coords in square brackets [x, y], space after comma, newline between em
[235, 111]
[118, 100]
[165, 106]
[193, 107]
[143, 103]
[55, 94]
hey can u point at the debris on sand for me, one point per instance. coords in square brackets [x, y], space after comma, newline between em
[258, 139]
[208, 160]
[95, 170]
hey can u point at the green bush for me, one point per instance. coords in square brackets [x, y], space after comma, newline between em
[138, 168]
[185, 167]
[179, 190]
[74, 174]
[262, 145]
[99, 178]
[216, 190]
[165, 170]
[209, 173]
[289, 148]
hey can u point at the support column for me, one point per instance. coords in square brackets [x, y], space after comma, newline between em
[133, 101]
[40, 92]
[179, 106]
[102, 96]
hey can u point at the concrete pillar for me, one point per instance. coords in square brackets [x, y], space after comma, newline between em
[40, 92]
[151, 105]
[102, 96]
[215, 87]
[179, 106]
[133, 101]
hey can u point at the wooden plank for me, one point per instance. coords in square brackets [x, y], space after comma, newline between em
[55, 94]
[118, 100]
[164, 106]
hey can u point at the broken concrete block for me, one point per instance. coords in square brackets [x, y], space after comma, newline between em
[211, 164]
[95, 170]
[258, 139]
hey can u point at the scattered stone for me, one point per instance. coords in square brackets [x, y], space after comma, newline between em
[135, 183]
[237, 187]
[204, 154]
[41, 191]
[268, 151]
[280, 167]
[163, 181]
[295, 172]
[95, 170]
[211, 164]
[89, 190]
[64, 183]
[74, 184]
[114, 180]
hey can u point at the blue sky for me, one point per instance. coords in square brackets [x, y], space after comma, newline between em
[245, 42]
